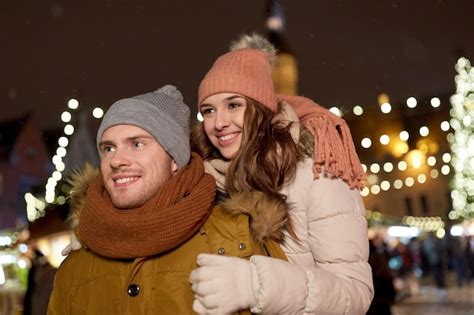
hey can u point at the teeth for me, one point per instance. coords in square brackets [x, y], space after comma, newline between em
[125, 180]
[227, 137]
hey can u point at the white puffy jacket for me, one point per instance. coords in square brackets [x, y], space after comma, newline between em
[330, 273]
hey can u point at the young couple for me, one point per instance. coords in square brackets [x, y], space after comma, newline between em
[264, 217]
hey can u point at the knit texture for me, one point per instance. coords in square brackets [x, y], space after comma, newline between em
[244, 71]
[162, 113]
[334, 150]
[167, 220]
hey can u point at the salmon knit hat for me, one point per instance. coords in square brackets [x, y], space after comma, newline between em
[246, 70]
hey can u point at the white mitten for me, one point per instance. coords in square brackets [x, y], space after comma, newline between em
[223, 284]
[73, 245]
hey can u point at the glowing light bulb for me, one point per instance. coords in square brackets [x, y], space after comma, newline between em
[366, 143]
[73, 103]
[98, 112]
[411, 102]
[358, 110]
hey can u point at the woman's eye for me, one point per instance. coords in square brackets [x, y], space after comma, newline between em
[206, 111]
[234, 105]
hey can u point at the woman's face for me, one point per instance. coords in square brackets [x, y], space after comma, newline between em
[223, 121]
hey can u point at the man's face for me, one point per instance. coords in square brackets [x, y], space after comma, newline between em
[134, 165]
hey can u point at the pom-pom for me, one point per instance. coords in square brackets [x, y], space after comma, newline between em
[171, 91]
[255, 41]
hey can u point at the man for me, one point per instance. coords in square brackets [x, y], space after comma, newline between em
[143, 220]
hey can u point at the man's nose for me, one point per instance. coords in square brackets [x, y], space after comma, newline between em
[119, 159]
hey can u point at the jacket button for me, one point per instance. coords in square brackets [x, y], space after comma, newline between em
[221, 251]
[133, 290]
[242, 246]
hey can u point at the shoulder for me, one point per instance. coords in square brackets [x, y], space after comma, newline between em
[76, 267]
[66, 270]
[328, 194]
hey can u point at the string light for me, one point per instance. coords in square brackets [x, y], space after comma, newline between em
[366, 143]
[444, 125]
[445, 169]
[435, 102]
[365, 192]
[402, 165]
[384, 139]
[68, 129]
[34, 206]
[388, 167]
[446, 157]
[428, 224]
[357, 110]
[98, 112]
[424, 131]
[404, 135]
[411, 102]
[386, 108]
[374, 168]
[73, 103]
[431, 161]
[66, 116]
[385, 185]
[398, 184]
[375, 189]
[409, 181]
[434, 173]
[336, 111]
[421, 178]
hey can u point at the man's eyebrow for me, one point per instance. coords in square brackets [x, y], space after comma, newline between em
[139, 136]
[105, 142]
[128, 139]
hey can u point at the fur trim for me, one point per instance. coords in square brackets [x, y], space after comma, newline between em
[306, 144]
[255, 41]
[269, 214]
[79, 181]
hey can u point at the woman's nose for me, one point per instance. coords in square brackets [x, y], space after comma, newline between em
[222, 120]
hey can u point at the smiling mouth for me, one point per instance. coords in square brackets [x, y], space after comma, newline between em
[123, 181]
[227, 139]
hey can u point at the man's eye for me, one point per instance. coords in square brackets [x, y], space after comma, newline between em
[138, 144]
[107, 149]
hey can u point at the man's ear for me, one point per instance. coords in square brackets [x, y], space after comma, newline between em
[174, 167]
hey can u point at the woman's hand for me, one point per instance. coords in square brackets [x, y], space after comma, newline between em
[223, 284]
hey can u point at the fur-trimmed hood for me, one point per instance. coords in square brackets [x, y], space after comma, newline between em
[268, 215]
[79, 181]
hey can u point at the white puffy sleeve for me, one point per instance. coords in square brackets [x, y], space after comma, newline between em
[329, 272]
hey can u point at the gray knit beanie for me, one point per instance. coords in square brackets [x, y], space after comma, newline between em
[161, 113]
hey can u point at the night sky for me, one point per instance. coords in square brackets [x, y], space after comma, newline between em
[100, 51]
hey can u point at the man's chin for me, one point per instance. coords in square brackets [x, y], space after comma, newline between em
[126, 204]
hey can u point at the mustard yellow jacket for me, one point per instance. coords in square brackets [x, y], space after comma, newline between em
[87, 283]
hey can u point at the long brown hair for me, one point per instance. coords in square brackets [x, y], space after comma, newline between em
[267, 157]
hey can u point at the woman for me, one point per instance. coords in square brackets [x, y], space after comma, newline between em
[253, 141]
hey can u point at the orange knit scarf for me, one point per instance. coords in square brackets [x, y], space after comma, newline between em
[173, 215]
[334, 150]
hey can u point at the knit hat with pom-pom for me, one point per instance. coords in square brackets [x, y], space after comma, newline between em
[161, 113]
[245, 70]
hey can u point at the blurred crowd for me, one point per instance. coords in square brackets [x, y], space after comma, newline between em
[398, 265]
